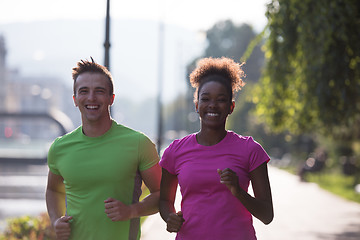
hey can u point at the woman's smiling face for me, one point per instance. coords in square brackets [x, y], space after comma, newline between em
[214, 104]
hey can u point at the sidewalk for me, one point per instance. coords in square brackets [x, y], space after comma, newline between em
[303, 211]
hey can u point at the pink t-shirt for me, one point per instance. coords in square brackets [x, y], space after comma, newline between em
[209, 209]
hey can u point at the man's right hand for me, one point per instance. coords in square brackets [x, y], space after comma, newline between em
[62, 228]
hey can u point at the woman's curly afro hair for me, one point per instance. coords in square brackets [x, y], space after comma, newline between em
[227, 69]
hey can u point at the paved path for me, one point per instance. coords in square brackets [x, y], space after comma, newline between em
[303, 211]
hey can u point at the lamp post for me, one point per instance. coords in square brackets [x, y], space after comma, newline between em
[107, 37]
[160, 82]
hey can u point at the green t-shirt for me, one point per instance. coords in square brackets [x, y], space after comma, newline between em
[96, 168]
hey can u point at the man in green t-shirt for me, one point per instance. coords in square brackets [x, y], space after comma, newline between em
[96, 171]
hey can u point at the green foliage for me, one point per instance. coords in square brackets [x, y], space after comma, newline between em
[243, 121]
[29, 228]
[336, 183]
[311, 81]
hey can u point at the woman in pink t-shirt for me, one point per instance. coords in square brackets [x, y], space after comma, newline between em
[214, 166]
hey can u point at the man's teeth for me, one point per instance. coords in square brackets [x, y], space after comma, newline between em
[92, 107]
[213, 114]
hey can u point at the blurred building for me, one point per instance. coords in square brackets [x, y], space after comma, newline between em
[24, 94]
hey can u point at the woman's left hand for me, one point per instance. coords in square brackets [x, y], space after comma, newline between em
[230, 179]
[259, 206]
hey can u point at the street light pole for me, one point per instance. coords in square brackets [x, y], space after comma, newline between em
[160, 82]
[107, 37]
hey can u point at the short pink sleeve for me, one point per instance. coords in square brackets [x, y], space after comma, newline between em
[167, 160]
[257, 154]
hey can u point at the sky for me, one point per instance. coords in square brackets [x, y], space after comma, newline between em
[191, 14]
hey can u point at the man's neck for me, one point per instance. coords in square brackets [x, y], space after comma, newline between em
[96, 129]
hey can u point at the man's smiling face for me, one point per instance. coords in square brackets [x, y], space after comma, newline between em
[92, 96]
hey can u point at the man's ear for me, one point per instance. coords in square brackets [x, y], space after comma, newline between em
[112, 99]
[74, 99]
[196, 107]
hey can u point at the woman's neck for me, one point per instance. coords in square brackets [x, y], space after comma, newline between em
[210, 137]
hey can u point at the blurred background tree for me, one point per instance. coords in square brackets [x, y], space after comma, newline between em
[229, 40]
[311, 80]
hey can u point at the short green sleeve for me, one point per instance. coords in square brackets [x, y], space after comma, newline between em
[148, 156]
[51, 158]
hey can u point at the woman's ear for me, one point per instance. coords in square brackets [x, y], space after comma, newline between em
[232, 106]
